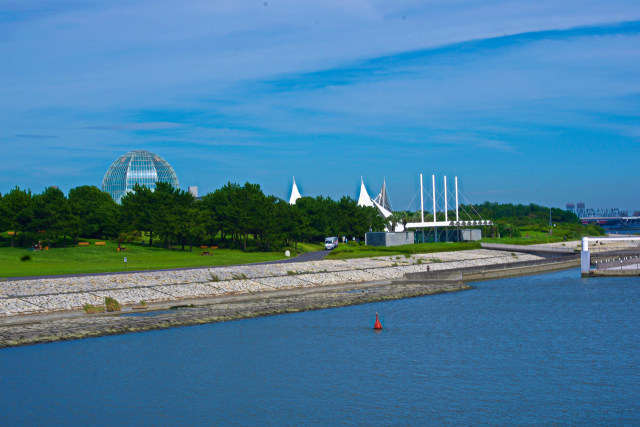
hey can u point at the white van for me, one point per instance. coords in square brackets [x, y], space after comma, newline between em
[330, 243]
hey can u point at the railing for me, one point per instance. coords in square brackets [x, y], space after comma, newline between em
[618, 263]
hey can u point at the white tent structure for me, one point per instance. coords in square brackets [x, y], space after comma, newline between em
[382, 199]
[384, 212]
[364, 199]
[295, 194]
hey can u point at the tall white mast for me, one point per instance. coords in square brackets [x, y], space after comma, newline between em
[457, 217]
[433, 186]
[446, 206]
[421, 200]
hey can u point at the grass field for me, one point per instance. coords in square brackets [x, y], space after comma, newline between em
[533, 240]
[99, 259]
[348, 251]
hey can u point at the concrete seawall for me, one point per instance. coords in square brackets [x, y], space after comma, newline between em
[529, 249]
[495, 271]
[614, 273]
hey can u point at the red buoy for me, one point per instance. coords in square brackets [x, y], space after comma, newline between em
[377, 326]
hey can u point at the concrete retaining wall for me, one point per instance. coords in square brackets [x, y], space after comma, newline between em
[527, 249]
[520, 271]
[614, 273]
[495, 271]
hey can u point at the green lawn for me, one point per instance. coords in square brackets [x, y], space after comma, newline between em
[349, 251]
[98, 259]
[308, 247]
[533, 240]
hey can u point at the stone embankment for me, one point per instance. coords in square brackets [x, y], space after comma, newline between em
[46, 310]
[217, 310]
[34, 296]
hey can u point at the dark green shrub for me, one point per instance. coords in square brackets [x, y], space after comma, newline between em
[112, 304]
[91, 309]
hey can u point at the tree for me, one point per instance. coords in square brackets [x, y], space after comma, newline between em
[16, 211]
[136, 208]
[169, 214]
[96, 213]
[292, 222]
[195, 225]
[211, 220]
[248, 203]
[395, 219]
[224, 215]
[509, 229]
[51, 214]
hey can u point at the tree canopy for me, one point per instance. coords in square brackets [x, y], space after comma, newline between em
[235, 215]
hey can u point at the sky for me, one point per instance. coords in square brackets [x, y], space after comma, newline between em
[523, 101]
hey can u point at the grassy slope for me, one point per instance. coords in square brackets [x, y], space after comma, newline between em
[536, 240]
[95, 259]
[308, 247]
[348, 251]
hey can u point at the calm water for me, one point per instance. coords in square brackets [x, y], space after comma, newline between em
[542, 349]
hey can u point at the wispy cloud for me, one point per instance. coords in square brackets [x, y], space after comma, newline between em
[413, 62]
[247, 91]
[470, 141]
[35, 136]
[137, 126]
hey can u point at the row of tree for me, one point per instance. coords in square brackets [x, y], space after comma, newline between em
[232, 216]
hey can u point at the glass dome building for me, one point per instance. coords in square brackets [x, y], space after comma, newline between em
[137, 167]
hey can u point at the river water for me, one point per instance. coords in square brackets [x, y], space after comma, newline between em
[545, 349]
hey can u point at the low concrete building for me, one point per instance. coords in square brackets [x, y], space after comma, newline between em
[389, 238]
[471, 234]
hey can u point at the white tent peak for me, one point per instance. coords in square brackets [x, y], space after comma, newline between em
[295, 194]
[384, 212]
[382, 199]
[364, 199]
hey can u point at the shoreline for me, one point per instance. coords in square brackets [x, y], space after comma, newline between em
[63, 326]
[204, 311]
[68, 294]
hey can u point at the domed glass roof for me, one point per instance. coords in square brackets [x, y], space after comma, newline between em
[137, 167]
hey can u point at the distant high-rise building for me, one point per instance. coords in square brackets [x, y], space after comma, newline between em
[193, 190]
[137, 167]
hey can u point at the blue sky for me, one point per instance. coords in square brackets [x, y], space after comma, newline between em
[523, 101]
